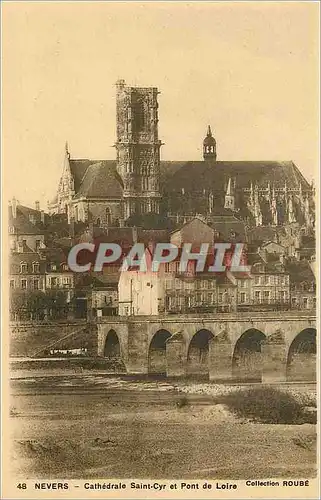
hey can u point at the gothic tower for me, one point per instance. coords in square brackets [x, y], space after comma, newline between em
[209, 146]
[138, 148]
[66, 189]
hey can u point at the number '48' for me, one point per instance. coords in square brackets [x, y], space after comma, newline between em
[22, 486]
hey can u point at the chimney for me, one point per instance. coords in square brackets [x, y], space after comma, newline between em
[37, 206]
[134, 234]
[120, 84]
[14, 207]
[91, 230]
[42, 216]
[72, 228]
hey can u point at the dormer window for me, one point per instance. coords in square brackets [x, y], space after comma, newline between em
[11, 229]
[35, 267]
[53, 267]
[65, 267]
[23, 267]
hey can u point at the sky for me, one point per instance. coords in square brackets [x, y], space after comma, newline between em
[250, 70]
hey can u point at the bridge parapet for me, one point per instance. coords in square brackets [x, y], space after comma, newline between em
[241, 316]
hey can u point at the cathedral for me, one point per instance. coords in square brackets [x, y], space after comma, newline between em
[137, 182]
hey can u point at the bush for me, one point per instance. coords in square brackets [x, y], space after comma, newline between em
[181, 402]
[265, 404]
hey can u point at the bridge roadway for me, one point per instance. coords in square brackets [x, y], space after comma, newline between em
[269, 346]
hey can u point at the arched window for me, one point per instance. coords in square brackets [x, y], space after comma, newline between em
[98, 221]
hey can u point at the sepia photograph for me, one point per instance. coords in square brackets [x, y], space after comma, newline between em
[160, 181]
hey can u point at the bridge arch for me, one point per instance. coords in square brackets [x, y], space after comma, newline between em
[301, 360]
[112, 346]
[157, 352]
[247, 356]
[198, 353]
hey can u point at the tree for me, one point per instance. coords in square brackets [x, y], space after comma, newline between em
[36, 304]
[56, 303]
[18, 299]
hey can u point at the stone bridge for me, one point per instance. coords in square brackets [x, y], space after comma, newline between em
[268, 347]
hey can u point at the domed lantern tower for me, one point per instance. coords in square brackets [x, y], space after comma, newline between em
[209, 146]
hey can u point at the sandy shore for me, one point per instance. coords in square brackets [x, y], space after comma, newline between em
[93, 426]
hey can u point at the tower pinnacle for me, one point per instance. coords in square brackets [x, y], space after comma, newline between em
[229, 196]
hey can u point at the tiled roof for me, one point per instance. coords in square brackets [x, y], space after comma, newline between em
[55, 255]
[95, 179]
[308, 242]
[22, 225]
[274, 267]
[265, 233]
[79, 167]
[214, 175]
[300, 271]
[254, 258]
[186, 184]
[272, 257]
[271, 242]
[126, 235]
[97, 280]
[26, 211]
[64, 243]
[153, 235]
[241, 275]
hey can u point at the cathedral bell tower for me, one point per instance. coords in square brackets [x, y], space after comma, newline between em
[209, 146]
[138, 148]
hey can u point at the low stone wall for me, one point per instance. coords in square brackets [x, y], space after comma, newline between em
[35, 338]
